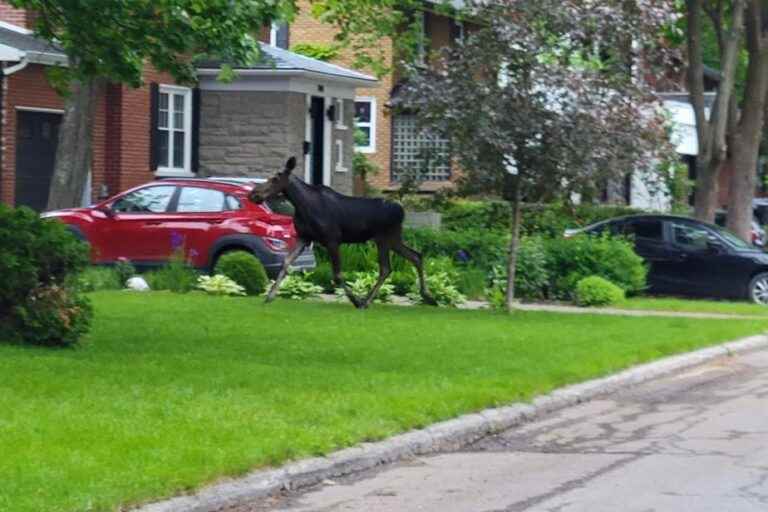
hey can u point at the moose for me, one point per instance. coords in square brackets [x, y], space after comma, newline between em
[330, 219]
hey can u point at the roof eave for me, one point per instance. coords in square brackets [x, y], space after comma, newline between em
[296, 73]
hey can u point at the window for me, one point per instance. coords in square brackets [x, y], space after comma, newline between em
[645, 229]
[416, 152]
[200, 200]
[689, 237]
[232, 203]
[365, 125]
[145, 200]
[174, 124]
[278, 35]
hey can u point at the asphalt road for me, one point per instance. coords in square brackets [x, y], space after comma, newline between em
[697, 441]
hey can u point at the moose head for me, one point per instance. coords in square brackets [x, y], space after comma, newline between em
[275, 186]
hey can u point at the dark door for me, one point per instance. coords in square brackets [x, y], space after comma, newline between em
[648, 234]
[36, 141]
[317, 111]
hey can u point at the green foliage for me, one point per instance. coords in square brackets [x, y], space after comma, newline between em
[322, 276]
[571, 259]
[596, 291]
[125, 270]
[39, 260]
[297, 286]
[402, 281]
[442, 288]
[324, 52]
[472, 281]
[680, 187]
[244, 269]
[94, 279]
[362, 283]
[531, 275]
[177, 276]
[484, 248]
[219, 284]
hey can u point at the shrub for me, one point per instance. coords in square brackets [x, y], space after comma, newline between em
[402, 281]
[244, 269]
[39, 259]
[125, 270]
[571, 259]
[479, 247]
[219, 284]
[472, 282]
[551, 220]
[531, 276]
[322, 276]
[442, 289]
[354, 257]
[177, 276]
[93, 279]
[596, 291]
[297, 286]
[362, 283]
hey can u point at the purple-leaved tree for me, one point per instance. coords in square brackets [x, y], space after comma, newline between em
[548, 98]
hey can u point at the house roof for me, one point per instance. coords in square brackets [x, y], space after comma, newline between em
[17, 43]
[277, 60]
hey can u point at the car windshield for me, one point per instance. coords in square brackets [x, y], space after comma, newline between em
[731, 238]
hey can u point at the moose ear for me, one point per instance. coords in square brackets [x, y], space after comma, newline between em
[290, 165]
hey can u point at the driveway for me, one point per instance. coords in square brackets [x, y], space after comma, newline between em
[697, 441]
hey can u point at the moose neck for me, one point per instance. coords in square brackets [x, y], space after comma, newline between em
[299, 194]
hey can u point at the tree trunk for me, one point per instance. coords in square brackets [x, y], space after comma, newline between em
[711, 132]
[514, 242]
[73, 154]
[705, 203]
[747, 138]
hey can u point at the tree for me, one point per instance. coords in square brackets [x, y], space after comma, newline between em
[544, 98]
[711, 133]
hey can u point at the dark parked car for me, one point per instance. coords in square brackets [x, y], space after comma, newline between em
[688, 257]
[205, 217]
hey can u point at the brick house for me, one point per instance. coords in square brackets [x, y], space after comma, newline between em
[165, 129]
[392, 141]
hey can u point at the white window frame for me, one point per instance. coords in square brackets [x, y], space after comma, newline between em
[371, 147]
[186, 92]
[339, 102]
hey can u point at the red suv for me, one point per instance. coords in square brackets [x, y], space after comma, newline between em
[204, 218]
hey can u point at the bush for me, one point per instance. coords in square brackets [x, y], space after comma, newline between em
[362, 283]
[551, 220]
[219, 284]
[94, 279]
[322, 276]
[177, 276]
[596, 291]
[442, 289]
[297, 286]
[39, 262]
[571, 259]
[125, 270]
[478, 247]
[472, 282]
[402, 281]
[244, 269]
[531, 275]
[354, 257]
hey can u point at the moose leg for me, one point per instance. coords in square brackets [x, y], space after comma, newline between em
[284, 271]
[338, 279]
[384, 271]
[415, 258]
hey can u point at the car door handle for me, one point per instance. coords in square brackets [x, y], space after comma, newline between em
[215, 221]
[153, 223]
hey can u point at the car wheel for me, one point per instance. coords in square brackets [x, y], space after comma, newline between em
[758, 289]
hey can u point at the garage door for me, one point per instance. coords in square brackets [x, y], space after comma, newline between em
[37, 136]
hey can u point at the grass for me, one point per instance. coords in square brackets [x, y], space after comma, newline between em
[694, 306]
[172, 391]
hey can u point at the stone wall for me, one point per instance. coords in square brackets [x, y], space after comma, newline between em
[247, 133]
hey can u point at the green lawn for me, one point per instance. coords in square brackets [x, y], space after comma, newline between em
[172, 391]
[695, 306]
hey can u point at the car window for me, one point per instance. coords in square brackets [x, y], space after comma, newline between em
[200, 200]
[280, 205]
[690, 237]
[732, 239]
[145, 200]
[232, 203]
[647, 229]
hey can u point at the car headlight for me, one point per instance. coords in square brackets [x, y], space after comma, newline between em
[276, 244]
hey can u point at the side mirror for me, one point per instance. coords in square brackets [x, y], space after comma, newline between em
[715, 247]
[107, 211]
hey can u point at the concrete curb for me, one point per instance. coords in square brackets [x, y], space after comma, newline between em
[449, 434]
